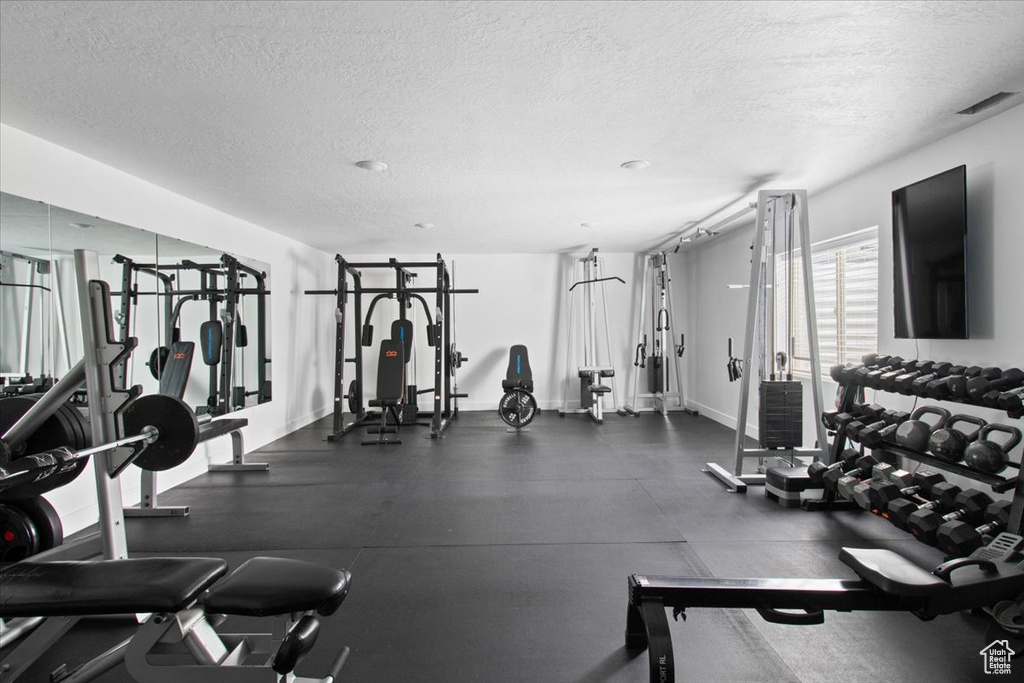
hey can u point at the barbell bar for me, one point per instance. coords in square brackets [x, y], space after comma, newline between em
[163, 430]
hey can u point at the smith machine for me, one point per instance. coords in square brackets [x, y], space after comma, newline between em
[781, 216]
[440, 334]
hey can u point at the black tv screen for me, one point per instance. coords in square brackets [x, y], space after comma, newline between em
[929, 236]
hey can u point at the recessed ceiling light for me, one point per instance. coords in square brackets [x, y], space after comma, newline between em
[372, 165]
[425, 226]
[636, 165]
[81, 226]
[590, 225]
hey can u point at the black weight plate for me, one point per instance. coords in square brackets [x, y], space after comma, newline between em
[353, 404]
[157, 361]
[57, 480]
[517, 408]
[177, 424]
[55, 432]
[18, 535]
[46, 520]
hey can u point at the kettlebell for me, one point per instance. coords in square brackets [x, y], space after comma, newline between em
[989, 456]
[948, 444]
[913, 434]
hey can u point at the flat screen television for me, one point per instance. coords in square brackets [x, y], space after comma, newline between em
[929, 239]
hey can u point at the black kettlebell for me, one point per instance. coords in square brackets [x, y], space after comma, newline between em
[989, 456]
[913, 434]
[948, 444]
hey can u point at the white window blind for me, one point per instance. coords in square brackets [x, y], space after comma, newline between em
[846, 300]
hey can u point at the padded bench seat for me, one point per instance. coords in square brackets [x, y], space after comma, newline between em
[46, 589]
[892, 573]
[267, 586]
[214, 428]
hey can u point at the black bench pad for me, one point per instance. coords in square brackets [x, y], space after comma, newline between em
[214, 428]
[266, 586]
[892, 572]
[47, 589]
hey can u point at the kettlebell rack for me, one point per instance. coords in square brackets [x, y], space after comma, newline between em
[852, 393]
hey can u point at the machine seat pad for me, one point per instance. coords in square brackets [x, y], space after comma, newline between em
[53, 589]
[215, 428]
[508, 385]
[891, 572]
[266, 586]
[600, 389]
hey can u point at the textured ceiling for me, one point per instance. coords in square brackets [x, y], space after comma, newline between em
[504, 123]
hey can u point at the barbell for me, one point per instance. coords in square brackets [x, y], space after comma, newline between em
[162, 431]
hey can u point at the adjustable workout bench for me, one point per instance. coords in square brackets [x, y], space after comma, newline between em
[390, 391]
[888, 582]
[187, 600]
[173, 380]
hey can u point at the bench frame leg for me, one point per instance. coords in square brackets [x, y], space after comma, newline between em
[238, 463]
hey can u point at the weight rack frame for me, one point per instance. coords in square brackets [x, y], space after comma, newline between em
[998, 484]
[445, 390]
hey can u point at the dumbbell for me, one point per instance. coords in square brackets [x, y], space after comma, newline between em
[887, 380]
[817, 469]
[903, 383]
[987, 455]
[844, 373]
[862, 465]
[958, 386]
[873, 436]
[947, 443]
[969, 506]
[869, 377]
[846, 485]
[866, 433]
[943, 496]
[978, 387]
[940, 388]
[999, 387]
[837, 421]
[960, 539]
[913, 434]
[1011, 400]
[882, 363]
[919, 387]
[901, 484]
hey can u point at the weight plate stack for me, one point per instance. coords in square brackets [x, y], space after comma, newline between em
[66, 427]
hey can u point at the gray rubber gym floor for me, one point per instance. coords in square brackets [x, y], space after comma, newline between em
[488, 556]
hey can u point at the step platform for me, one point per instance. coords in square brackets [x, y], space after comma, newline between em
[788, 486]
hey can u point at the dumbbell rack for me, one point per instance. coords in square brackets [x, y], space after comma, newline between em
[998, 484]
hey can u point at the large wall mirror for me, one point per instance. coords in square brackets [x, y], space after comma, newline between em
[201, 317]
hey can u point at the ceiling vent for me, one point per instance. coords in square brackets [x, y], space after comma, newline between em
[986, 103]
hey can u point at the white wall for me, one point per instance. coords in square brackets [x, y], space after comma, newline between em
[993, 151]
[302, 329]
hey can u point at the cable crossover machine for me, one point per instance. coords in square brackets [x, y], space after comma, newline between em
[440, 335]
[781, 217]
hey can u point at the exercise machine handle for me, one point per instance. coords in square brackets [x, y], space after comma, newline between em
[944, 570]
[600, 279]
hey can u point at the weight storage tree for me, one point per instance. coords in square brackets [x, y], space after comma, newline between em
[440, 333]
[588, 282]
[781, 220]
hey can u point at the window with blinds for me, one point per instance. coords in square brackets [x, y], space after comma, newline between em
[846, 300]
